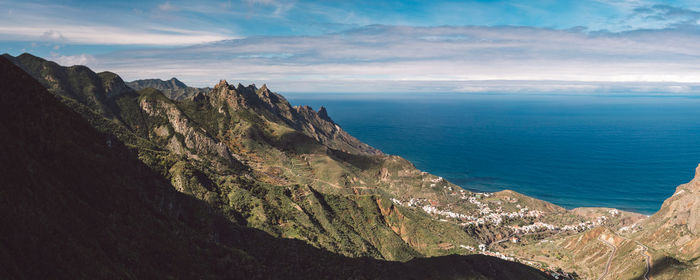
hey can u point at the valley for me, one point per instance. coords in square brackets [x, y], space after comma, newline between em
[291, 173]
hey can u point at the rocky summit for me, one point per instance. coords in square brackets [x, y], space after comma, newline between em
[155, 179]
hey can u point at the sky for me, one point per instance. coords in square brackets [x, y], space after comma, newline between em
[560, 46]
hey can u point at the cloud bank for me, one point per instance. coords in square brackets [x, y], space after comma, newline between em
[463, 59]
[80, 24]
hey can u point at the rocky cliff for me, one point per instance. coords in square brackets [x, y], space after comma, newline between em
[675, 228]
[276, 108]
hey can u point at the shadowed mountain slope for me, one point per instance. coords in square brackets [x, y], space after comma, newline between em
[238, 150]
[270, 175]
[79, 203]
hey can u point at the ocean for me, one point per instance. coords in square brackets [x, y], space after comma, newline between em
[623, 151]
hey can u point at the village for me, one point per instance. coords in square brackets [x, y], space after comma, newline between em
[483, 209]
[485, 215]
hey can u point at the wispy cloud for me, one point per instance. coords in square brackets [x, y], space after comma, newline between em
[167, 7]
[82, 59]
[662, 15]
[108, 35]
[459, 58]
[56, 23]
[466, 46]
[279, 6]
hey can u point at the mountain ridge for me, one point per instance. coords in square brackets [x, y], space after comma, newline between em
[292, 172]
[81, 204]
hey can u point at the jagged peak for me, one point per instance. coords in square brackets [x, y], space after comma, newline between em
[174, 81]
[264, 92]
[221, 84]
[240, 87]
[323, 114]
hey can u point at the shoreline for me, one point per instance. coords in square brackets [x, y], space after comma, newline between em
[547, 201]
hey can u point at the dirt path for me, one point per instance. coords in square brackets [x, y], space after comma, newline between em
[612, 254]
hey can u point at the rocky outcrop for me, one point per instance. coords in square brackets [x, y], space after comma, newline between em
[113, 84]
[676, 226]
[275, 108]
[196, 140]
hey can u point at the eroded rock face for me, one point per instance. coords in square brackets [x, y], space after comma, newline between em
[693, 196]
[195, 140]
[676, 226]
[274, 107]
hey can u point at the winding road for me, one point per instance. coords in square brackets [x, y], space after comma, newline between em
[647, 255]
[612, 254]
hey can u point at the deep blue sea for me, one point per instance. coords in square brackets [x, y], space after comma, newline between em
[622, 151]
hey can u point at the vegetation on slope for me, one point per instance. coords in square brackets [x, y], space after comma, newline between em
[79, 203]
[293, 173]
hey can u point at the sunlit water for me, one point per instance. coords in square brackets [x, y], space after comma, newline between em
[628, 152]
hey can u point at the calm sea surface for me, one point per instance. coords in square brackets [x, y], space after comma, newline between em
[628, 152]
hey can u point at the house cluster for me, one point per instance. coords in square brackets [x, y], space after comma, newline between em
[469, 248]
[482, 249]
[499, 255]
[435, 181]
[427, 206]
[435, 211]
[497, 217]
[630, 228]
[540, 226]
[484, 213]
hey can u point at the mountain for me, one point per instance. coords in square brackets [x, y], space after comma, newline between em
[102, 98]
[79, 203]
[292, 177]
[96, 91]
[665, 245]
[673, 233]
[173, 88]
[676, 226]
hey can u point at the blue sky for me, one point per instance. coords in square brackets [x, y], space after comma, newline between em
[346, 46]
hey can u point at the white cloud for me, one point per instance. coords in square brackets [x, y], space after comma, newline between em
[72, 25]
[167, 7]
[107, 35]
[52, 35]
[280, 6]
[69, 60]
[463, 59]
